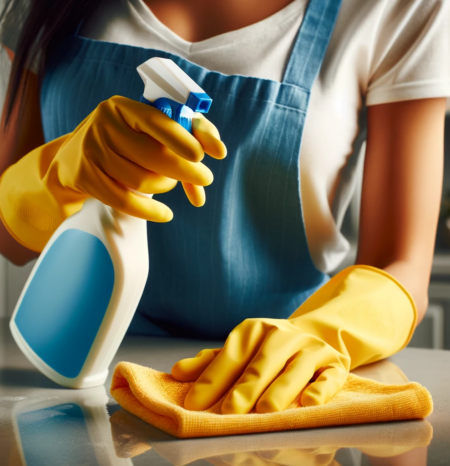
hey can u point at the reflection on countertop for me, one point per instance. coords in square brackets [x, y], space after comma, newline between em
[133, 437]
[69, 429]
[42, 424]
[402, 440]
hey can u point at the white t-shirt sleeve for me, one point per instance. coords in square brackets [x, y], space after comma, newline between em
[411, 58]
[8, 37]
[12, 23]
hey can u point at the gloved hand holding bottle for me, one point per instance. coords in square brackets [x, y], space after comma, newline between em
[122, 144]
[361, 315]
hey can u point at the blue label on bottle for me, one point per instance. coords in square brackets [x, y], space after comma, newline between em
[66, 301]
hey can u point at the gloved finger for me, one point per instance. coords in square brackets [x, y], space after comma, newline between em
[283, 457]
[190, 369]
[270, 359]
[150, 154]
[322, 456]
[111, 193]
[244, 458]
[283, 391]
[195, 194]
[143, 118]
[134, 176]
[329, 382]
[241, 345]
[208, 136]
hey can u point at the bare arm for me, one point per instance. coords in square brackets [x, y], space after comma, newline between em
[415, 457]
[401, 192]
[22, 135]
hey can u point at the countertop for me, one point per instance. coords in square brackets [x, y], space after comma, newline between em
[42, 424]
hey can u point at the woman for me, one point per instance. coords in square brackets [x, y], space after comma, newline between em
[247, 261]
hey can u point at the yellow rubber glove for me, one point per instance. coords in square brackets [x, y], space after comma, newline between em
[322, 456]
[359, 316]
[121, 144]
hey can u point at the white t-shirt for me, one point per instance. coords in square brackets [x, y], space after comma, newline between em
[380, 51]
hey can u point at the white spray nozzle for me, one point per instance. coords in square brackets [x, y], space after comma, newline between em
[164, 79]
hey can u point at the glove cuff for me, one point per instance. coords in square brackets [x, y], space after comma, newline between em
[405, 291]
[21, 212]
[362, 311]
[10, 220]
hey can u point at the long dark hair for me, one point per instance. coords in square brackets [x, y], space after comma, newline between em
[42, 22]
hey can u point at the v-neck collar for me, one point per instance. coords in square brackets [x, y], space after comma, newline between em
[289, 12]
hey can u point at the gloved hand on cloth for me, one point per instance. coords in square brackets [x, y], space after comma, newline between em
[359, 316]
[122, 144]
[261, 380]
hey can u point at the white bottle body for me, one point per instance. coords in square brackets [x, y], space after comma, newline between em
[125, 239]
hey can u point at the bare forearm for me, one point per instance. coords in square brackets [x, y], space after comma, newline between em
[417, 288]
[400, 202]
[415, 457]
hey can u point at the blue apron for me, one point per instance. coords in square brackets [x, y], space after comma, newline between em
[245, 253]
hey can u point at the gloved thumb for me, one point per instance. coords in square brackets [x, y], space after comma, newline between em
[208, 136]
[190, 369]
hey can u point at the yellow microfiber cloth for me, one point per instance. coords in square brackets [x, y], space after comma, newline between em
[157, 398]
[133, 437]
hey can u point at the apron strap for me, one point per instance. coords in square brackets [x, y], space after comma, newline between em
[311, 43]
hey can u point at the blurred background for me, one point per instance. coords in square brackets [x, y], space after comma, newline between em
[433, 332]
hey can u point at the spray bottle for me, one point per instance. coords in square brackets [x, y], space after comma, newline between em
[86, 285]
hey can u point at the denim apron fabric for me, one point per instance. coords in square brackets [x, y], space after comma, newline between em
[245, 253]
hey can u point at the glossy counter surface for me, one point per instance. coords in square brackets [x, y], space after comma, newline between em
[41, 424]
